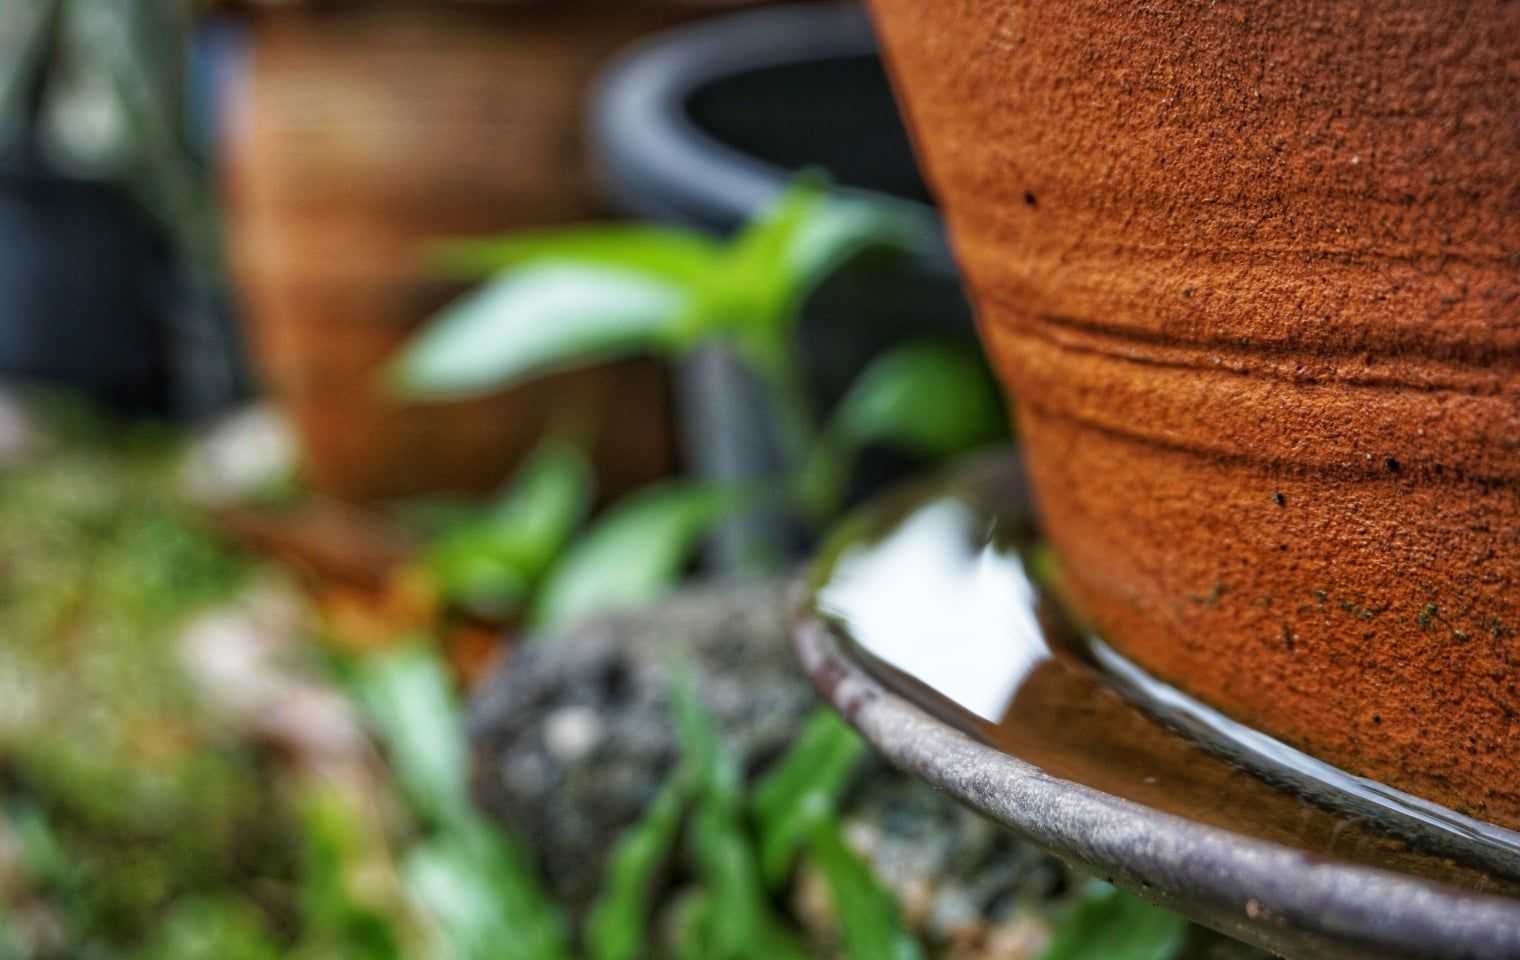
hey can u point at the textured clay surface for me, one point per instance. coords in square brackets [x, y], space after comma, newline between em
[358, 138]
[1252, 271]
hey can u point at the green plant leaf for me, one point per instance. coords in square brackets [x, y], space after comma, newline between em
[803, 790]
[867, 912]
[633, 555]
[211, 928]
[618, 925]
[546, 500]
[684, 256]
[783, 254]
[843, 226]
[1110, 924]
[536, 320]
[484, 896]
[736, 921]
[488, 564]
[758, 294]
[336, 920]
[408, 699]
[925, 398]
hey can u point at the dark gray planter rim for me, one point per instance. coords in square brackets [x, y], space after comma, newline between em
[1275, 897]
[657, 163]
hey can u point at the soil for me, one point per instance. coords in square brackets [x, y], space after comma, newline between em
[1252, 272]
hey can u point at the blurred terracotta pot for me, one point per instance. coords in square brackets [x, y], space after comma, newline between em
[359, 136]
[1252, 271]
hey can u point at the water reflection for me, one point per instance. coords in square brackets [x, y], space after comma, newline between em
[933, 593]
[921, 582]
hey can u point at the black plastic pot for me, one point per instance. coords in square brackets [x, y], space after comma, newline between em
[85, 287]
[704, 126]
[95, 295]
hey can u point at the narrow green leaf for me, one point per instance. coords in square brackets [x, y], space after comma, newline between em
[683, 256]
[633, 555]
[841, 227]
[779, 258]
[695, 918]
[489, 564]
[546, 499]
[737, 922]
[758, 291]
[867, 912]
[1110, 924]
[484, 896]
[475, 881]
[334, 918]
[618, 925]
[803, 790]
[766, 245]
[535, 320]
[929, 399]
[407, 697]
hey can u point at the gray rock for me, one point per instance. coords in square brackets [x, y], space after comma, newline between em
[572, 735]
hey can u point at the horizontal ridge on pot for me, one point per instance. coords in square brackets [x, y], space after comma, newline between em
[1252, 271]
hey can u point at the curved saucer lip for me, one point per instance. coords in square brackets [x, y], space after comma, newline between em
[1285, 900]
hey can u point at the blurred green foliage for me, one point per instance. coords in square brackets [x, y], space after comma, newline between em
[133, 827]
[1106, 923]
[581, 295]
[585, 295]
[124, 799]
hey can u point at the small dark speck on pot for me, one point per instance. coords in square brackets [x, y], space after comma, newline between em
[1377, 718]
[1391, 464]
[1029, 199]
[1279, 499]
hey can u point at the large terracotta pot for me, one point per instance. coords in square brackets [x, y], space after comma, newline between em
[1252, 271]
[359, 136]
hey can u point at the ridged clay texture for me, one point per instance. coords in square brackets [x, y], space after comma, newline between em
[1251, 271]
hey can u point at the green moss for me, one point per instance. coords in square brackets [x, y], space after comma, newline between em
[102, 751]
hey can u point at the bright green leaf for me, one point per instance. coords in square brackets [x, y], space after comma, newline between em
[489, 564]
[633, 555]
[758, 294]
[484, 896]
[338, 918]
[867, 912]
[737, 921]
[667, 253]
[535, 320]
[618, 925]
[782, 255]
[408, 699]
[803, 790]
[1110, 924]
[928, 399]
[841, 227]
[546, 499]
